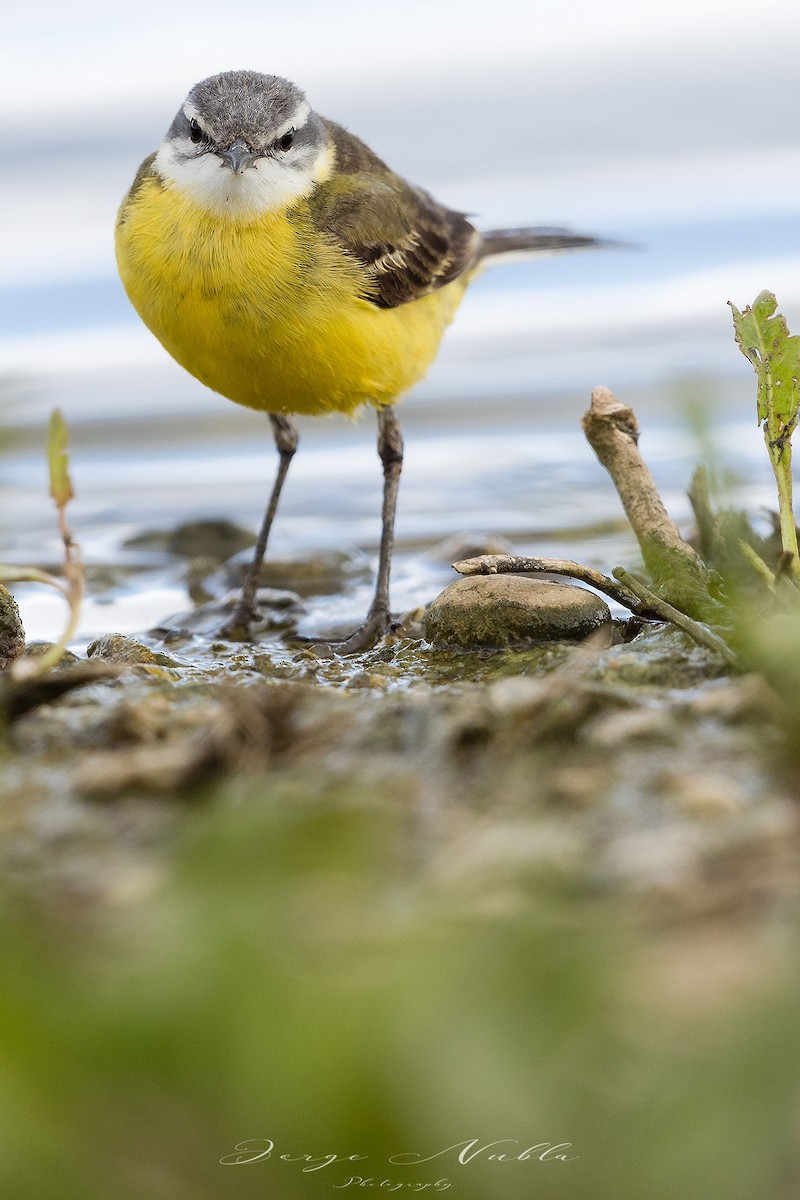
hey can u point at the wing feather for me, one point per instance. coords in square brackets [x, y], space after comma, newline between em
[409, 244]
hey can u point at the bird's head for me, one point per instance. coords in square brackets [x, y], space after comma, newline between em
[243, 144]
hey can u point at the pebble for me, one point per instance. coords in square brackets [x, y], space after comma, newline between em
[39, 649]
[117, 648]
[512, 610]
[214, 539]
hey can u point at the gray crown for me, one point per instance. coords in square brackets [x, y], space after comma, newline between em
[242, 104]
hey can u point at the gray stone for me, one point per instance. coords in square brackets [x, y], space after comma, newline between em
[512, 610]
[39, 649]
[12, 635]
[117, 648]
[319, 573]
[214, 539]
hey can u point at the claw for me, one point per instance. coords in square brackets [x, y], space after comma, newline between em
[366, 637]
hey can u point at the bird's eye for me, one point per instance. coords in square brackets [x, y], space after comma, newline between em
[286, 142]
[196, 133]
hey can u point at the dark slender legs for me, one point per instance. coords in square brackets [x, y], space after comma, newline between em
[390, 450]
[286, 438]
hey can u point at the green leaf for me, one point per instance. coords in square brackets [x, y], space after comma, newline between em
[764, 338]
[58, 459]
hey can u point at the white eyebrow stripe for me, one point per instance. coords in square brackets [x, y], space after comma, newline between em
[296, 121]
[191, 114]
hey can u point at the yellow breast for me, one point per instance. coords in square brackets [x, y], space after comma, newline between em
[268, 312]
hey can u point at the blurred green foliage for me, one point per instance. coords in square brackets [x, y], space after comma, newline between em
[61, 488]
[297, 976]
[763, 337]
[73, 583]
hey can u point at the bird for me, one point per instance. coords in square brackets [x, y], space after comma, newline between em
[284, 265]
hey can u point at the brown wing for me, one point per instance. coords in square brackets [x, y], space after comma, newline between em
[409, 244]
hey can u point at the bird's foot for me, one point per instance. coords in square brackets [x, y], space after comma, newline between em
[241, 624]
[367, 636]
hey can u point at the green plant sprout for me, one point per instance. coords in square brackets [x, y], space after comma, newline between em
[763, 337]
[71, 586]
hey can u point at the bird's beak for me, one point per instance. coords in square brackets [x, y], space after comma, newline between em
[238, 156]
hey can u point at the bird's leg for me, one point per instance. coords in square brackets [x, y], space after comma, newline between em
[246, 613]
[390, 451]
[377, 621]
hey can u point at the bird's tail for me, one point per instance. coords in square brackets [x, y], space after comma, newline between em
[533, 241]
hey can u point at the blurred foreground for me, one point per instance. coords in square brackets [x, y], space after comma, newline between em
[528, 910]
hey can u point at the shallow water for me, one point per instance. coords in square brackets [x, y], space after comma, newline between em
[519, 469]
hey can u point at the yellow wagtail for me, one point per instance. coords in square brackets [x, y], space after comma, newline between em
[288, 268]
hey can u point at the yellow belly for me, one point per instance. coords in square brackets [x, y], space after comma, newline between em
[268, 313]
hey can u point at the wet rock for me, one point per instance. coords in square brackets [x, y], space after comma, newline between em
[216, 540]
[116, 648]
[321, 573]
[660, 656]
[367, 679]
[509, 610]
[209, 539]
[12, 635]
[410, 625]
[279, 612]
[39, 649]
[200, 578]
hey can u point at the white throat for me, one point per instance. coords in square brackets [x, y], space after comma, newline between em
[265, 186]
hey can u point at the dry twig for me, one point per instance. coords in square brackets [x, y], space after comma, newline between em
[677, 571]
[506, 564]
